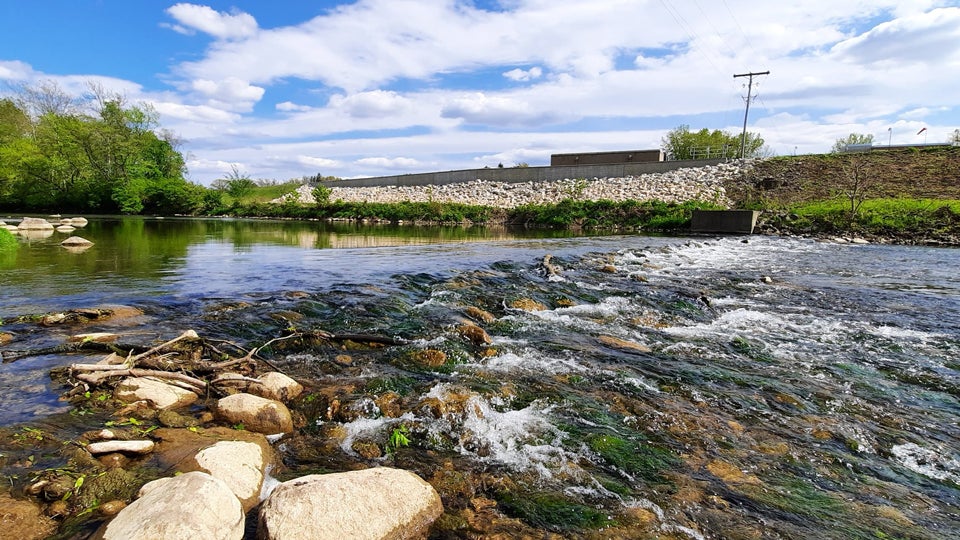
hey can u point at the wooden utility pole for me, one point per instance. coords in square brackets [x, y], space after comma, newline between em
[743, 137]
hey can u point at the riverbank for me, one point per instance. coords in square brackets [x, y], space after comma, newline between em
[673, 187]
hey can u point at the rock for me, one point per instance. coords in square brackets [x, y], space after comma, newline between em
[23, 520]
[478, 336]
[34, 224]
[624, 344]
[173, 419]
[65, 229]
[431, 357]
[376, 503]
[111, 508]
[241, 465]
[79, 221]
[478, 314]
[192, 505]
[608, 269]
[5, 338]
[129, 447]
[255, 413]
[528, 304]
[161, 395]
[76, 241]
[276, 386]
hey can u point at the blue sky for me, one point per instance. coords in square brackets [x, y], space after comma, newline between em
[283, 89]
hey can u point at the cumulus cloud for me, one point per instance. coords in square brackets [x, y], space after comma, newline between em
[377, 103]
[15, 71]
[312, 161]
[388, 163]
[229, 89]
[192, 17]
[194, 113]
[289, 106]
[914, 38]
[524, 75]
[478, 108]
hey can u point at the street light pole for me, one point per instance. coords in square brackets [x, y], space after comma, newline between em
[743, 136]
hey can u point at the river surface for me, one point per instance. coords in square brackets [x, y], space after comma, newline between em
[669, 387]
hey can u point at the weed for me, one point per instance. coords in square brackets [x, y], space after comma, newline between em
[398, 439]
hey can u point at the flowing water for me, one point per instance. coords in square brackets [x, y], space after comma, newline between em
[665, 387]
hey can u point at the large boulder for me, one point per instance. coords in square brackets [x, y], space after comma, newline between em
[255, 413]
[160, 394]
[192, 505]
[35, 224]
[241, 465]
[374, 504]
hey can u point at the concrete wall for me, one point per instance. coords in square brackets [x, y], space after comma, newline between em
[724, 221]
[516, 175]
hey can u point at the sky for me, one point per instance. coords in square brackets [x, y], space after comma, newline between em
[283, 89]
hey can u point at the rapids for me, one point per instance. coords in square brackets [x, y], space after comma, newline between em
[675, 387]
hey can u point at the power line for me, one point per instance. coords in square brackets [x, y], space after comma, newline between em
[751, 75]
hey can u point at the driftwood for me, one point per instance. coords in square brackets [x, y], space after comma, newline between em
[548, 267]
[97, 377]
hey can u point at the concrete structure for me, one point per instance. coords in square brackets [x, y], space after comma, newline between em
[724, 221]
[523, 174]
[606, 158]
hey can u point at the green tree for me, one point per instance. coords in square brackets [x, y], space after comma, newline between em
[681, 143]
[955, 137]
[852, 139]
[111, 158]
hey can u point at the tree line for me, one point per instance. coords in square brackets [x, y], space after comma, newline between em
[96, 154]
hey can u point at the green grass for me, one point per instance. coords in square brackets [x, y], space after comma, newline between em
[263, 194]
[880, 216]
[8, 242]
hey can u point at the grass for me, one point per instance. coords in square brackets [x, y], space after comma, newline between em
[897, 216]
[8, 242]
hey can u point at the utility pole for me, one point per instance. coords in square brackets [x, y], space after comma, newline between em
[743, 137]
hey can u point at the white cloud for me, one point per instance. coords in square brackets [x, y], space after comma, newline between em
[194, 113]
[216, 23]
[914, 38]
[389, 163]
[495, 110]
[229, 93]
[377, 103]
[524, 75]
[289, 106]
[15, 71]
[325, 163]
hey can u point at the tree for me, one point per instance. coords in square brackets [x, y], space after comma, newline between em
[681, 143]
[852, 139]
[856, 182]
[955, 137]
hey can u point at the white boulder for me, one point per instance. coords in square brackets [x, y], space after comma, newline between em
[241, 465]
[373, 504]
[160, 394]
[192, 505]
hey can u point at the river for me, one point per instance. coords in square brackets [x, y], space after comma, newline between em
[676, 387]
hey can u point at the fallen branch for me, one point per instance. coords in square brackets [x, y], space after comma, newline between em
[97, 377]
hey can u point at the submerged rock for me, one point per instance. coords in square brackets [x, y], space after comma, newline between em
[23, 520]
[192, 505]
[372, 503]
[76, 241]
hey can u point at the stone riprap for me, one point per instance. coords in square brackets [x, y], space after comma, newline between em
[700, 183]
